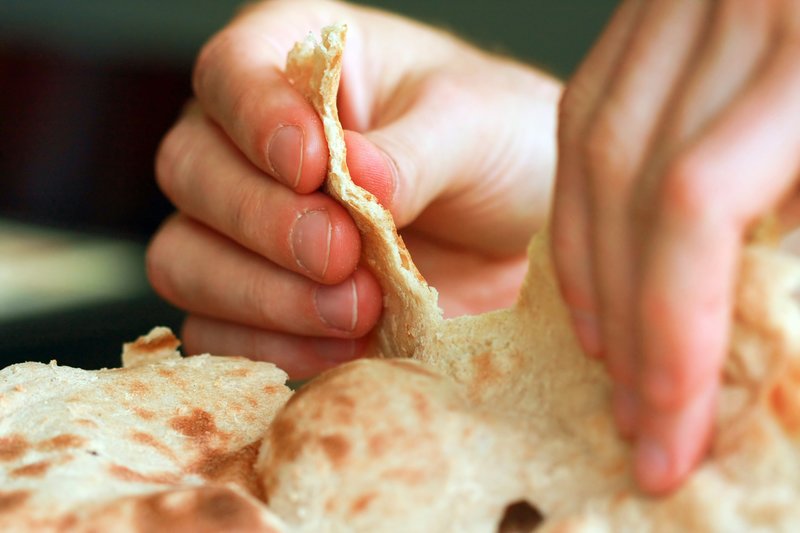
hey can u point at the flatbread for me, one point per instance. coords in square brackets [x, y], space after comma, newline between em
[166, 441]
[484, 423]
[493, 410]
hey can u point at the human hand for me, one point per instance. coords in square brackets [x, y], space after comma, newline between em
[681, 128]
[458, 144]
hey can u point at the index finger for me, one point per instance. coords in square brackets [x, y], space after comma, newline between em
[239, 83]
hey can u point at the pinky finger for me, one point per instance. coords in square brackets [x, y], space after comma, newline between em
[301, 357]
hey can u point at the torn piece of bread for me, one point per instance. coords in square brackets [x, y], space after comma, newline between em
[166, 440]
[315, 68]
[504, 408]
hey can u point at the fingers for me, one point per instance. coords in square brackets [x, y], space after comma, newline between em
[301, 357]
[239, 82]
[474, 190]
[371, 168]
[743, 164]
[617, 144]
[202, 272]
[570, 209]
[206, 178]
[668, 442]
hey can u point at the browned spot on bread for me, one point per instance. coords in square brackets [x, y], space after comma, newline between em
[274, 389]
[361, 503]
[150, 440]
[197, 425]
[421, 405]
[157, 344]
[86, 422]
[230, 467]
[202, 510]
[785, 399]
[138, 387]
[144, 414]
[485, 369]
[13, 447]
[126, 474]
[61, 442]
[251, 400]
[378, 444]
[242, 372]
[336, 448]
[37, 469]
[286, 440]
[343, 400]
[166, 372]
[784, 403]
[412, 476]
[67, 523]
[9, 501]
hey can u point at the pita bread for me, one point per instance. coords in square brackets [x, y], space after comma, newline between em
[166, 441]
[503, 408]
[484, 423]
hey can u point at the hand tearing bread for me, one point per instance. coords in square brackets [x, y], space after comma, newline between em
[487, 423]
[509, 409]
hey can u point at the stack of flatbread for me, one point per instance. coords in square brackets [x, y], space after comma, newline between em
[483, 423]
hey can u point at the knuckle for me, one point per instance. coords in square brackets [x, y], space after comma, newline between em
[245, 211]
[260, 296]
[157, 263]
[604, 151]
[211, 55]
[684, 192]
[173, 158]
[656, 308]
[681, 382]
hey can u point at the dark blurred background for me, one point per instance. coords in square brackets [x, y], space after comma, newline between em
[87, 89]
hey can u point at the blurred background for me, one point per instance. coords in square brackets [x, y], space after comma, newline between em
[87, 89]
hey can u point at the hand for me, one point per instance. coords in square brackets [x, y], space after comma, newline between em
[458, 144]
[681, 129]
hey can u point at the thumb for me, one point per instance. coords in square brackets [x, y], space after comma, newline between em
[468, 164]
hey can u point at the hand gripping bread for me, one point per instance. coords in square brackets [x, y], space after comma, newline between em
[492, 410]
[486, 423]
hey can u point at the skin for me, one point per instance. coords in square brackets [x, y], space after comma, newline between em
[677, 133]
[265, 264]
[680, 130]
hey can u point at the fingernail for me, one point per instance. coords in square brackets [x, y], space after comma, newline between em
[625, 406]
[337, 305]
[310, 240]
[587, 330]
[334, 350]
[651, 464]
[285, 154]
